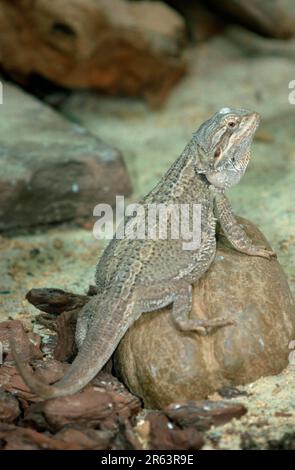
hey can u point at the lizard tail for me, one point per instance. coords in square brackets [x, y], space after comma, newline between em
[103, 337]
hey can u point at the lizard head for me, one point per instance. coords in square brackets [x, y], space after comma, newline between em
[223, 146]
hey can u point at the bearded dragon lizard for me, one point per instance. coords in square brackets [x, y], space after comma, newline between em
[136, 276]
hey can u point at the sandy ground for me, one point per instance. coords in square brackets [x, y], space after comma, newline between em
[65, 256]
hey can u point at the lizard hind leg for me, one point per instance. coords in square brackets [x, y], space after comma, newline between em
[181, 310]
[179, 294]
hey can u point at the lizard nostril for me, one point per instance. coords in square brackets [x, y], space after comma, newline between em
[217, 152]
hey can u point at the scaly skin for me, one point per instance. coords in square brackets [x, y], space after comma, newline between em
[138, 276]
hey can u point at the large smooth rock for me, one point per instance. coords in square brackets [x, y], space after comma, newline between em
[163, 365]
[116, 46]
[51, 170]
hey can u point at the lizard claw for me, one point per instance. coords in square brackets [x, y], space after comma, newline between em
[204, 327]
[265, 253]
[211, 325]
[201, 330]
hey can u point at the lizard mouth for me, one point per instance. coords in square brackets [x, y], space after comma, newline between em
[251, 124]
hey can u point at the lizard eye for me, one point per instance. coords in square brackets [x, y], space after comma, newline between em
[231, 124]
[217, 152]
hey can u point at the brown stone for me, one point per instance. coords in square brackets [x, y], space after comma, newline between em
[163, 365]
[116, 46]
[51, 170]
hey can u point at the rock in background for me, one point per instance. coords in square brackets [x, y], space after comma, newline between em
[51, 170]
[202, 22]
[273, 18]
[111, 45]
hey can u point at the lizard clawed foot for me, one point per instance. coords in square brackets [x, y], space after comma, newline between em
[264, 252]
[203, 327]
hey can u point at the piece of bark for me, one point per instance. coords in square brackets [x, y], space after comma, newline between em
[125, 438]
[165, 435]
[204, 414]
[65, 348]
[116, 46]
[67, 306]
[17, 438]
[28, 344]
[50, 370]
[63, 344]
[127, 404]
[86, 438]
[10, 381]
[9, 408]
[55, 301]
[92, 407]
[52, 170]
[69, 438]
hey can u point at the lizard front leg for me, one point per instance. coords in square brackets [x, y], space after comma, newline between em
[179, 294]
[234, 231]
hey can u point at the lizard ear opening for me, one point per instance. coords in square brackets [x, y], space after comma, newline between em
[217, 153]
[201, 160]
